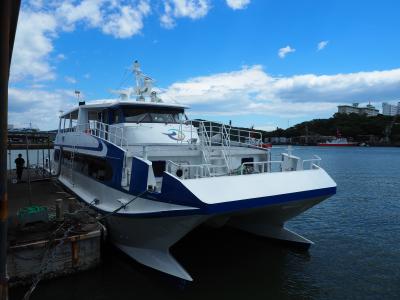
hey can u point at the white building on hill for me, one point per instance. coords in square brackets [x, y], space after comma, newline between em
[369, 110]
[390, 109]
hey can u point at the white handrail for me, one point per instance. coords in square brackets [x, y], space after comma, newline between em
[313, 161]
[228, 136]
[110, 133]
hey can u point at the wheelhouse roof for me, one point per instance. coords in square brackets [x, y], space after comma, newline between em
[99, 105]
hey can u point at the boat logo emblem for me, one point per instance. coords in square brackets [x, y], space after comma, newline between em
[175, 134]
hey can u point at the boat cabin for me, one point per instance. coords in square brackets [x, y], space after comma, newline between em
[136, 122]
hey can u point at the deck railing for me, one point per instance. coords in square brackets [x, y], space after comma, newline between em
[312, 162]
[225, 135]
[110, 133]
[188, 171]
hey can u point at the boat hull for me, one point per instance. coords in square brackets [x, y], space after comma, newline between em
[256, 203]
[148, 240]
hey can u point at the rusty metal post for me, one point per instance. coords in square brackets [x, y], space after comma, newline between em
[9, 10]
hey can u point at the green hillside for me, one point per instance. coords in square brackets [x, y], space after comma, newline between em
[383, 129]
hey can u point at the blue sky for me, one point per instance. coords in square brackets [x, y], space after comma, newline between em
[265, 63]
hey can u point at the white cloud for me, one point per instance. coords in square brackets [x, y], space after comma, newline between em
[39, 107]
[252, 91]
[193, 9]
[285, 51]
[127, 22]
[248, 91]
[88, 11]
[166, 19]
[36, 3]
[41, 22]
[69, 79]
[86, 76]
[237, 4]
[61, 57]
[321, 45]
[112, 17]
[33, 45]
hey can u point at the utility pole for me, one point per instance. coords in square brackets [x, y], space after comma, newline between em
[9, 10]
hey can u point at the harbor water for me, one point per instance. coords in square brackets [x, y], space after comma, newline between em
[356, 254]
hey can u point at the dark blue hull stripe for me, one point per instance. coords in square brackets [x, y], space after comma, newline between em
[270, 200]
[227, 207]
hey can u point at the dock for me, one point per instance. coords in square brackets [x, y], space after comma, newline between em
[66, 240]
[22, 140]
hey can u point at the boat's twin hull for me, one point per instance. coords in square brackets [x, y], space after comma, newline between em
[146, 229]
[148, 240]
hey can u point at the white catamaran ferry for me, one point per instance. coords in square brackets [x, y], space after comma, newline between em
[156, 175]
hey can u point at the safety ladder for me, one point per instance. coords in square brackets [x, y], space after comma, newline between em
[216, 161]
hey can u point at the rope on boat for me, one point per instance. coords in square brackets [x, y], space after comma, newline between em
[121, 207]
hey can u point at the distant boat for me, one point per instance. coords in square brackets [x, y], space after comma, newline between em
[338, 142]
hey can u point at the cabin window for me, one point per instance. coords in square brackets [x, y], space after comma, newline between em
[115, 116]
[136, 116]
[158, 168]
[152, 115]
[95, 167]
[162, 118]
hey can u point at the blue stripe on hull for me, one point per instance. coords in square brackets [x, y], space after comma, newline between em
[270, 200]
[232, 206]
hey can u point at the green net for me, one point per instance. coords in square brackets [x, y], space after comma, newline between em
[31, 210]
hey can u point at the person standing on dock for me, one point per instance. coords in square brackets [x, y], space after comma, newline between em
[19, 163]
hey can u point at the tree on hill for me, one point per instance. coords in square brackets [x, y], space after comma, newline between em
[352, 125]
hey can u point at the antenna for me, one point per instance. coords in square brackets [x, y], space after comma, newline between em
[78, 96]
[144, 84]
[136, 70]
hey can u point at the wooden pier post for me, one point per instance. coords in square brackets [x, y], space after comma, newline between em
[9, 10]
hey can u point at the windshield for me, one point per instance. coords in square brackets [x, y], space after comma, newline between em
[152, 115]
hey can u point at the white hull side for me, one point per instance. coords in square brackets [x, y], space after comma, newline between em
[148, 240]
[269, 221]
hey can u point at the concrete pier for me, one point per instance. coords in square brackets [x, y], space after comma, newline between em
[52, 248]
